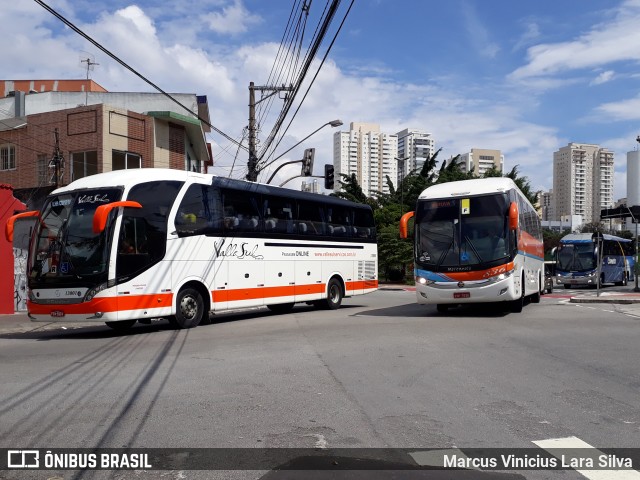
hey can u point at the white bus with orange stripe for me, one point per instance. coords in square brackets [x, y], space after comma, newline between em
[139, 244]
[476, 241]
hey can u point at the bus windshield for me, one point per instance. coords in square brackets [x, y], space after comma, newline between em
[576, 257]
[462, 232]
[65, 247]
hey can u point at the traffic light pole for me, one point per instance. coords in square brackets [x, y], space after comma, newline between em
[282, 165]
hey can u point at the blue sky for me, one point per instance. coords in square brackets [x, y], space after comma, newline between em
[523, 77]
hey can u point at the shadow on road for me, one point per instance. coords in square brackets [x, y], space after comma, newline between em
[414, 310]
[72, 331]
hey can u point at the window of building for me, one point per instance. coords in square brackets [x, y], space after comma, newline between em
[84, 164]
[125, 160]
[7, 157]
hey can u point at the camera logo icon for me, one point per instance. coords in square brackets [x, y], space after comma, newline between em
[23, 458]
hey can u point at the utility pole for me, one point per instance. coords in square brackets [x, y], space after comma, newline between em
[252, 165]
[57, 161]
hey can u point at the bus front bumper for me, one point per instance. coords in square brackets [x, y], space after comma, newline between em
[451, 293]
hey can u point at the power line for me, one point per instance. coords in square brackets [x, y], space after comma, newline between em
[314, 77]
[307, 63]
[131, 69]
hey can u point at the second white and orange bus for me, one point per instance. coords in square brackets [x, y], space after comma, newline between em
[476, 241]
[138, 244]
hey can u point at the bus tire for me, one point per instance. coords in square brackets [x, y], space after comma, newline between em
[281, 307]
[516, 305]
[121, 326]
[189, 309]
[334, 294]
[442, 307]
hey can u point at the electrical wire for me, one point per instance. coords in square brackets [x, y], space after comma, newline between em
[304, 69]
[131, 69]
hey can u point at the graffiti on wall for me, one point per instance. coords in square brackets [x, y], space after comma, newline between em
[20, 279]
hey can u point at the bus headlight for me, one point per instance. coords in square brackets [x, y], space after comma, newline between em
[423, 281]
[502, 276]
[92, 292]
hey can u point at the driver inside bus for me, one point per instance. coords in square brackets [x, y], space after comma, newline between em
[491, 246]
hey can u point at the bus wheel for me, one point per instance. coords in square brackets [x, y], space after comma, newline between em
[516, 305]
[281, 307]
[190, 309]
[334, 294]
[121, 326]
[442, 307]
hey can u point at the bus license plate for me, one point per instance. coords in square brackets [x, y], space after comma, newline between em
[57, 313]
[461, 295]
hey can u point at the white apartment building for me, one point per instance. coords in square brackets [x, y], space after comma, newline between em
[582, 181]
[481, 160]
[367, 152]
[414, 148]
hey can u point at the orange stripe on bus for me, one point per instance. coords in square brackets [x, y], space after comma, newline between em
[480, 274]
[105, 304]
[141, 302]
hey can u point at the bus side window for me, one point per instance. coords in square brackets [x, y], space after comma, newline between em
[278, 215]
[242, 213]
[339, 221]
[310, 218]
[193, 214]
[364, 223]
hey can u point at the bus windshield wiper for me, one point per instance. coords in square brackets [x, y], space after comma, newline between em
[473, 248]
[444, 253]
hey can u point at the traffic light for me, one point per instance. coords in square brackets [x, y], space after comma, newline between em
[307, 162]
[328, 177]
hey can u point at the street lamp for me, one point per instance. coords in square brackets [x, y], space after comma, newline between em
[333, 123]
[401, 183]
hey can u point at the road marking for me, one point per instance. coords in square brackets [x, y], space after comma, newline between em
[559, 446]
[321, 442]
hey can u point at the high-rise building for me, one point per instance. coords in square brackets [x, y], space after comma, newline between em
[481, 160]
[369, 154]
[545, 201]
[582, 181]
[414, 148]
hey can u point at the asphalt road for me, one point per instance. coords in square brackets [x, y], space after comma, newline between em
[380, 373]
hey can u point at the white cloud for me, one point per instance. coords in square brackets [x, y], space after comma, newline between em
[617, 39]
[459, 120]
[603, 77]
[628, 109]
[531, 32]
[481, 40]
[234, 19]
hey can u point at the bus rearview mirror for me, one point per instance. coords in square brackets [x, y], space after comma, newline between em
[8, 229]
[404, 224]
[102, 213]
[513, 216]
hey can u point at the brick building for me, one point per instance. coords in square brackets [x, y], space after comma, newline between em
[97, 131]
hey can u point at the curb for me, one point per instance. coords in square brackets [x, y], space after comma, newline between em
[619, 301]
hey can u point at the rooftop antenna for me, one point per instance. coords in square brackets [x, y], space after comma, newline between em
[87, 61]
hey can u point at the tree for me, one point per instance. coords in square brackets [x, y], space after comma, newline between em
[592, 227]
[350, 189]
[523, 184]
[551, 240]
[452, 171]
